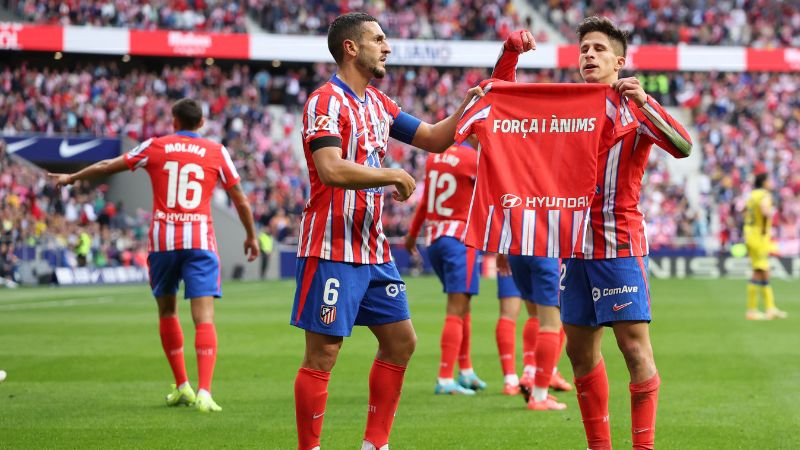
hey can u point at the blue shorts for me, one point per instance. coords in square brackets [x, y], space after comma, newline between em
[455, 264]
[537, 278]
[199, 270]
[506, 287]
[331, 296]
[600, 292]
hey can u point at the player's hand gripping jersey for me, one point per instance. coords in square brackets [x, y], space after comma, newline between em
[345, 224]
[449, 181]
[184, 169]
[537, 163]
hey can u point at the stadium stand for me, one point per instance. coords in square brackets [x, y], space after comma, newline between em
[197, 15]
[756, 23]
[111, 101]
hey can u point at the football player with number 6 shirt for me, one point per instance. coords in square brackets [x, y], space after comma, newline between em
[345, 273]
[184, 168]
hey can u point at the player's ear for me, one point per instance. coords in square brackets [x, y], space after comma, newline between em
[620, 63]
[350, 47]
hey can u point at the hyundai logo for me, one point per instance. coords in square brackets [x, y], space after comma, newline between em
[510, 201]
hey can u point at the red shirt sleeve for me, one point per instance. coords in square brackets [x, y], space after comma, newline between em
[228, 174]
[676, 140]
[138, 156]
[506, 66]
[322, 117]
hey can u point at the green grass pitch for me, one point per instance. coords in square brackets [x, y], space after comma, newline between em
[86, 370]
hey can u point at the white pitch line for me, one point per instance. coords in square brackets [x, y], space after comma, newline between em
[56, 303]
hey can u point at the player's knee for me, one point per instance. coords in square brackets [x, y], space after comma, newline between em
[399, 349]
[635, 353]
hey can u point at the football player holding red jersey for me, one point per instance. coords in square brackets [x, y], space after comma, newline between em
[606, 284]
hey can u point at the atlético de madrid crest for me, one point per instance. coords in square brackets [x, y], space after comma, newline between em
[327, 314]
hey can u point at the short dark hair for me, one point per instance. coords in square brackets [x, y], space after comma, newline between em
[605, 26]
[760, 180]
[188, 112]
[346, 26]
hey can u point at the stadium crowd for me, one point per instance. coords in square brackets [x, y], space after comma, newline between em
[739, 118]
[196, 15]
[755, 23]
[68, 226]
[407, 19]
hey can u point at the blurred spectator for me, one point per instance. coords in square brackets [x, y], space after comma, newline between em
[753, 23]
[194, 15]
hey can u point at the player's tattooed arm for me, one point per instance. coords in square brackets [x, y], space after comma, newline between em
[99, 169]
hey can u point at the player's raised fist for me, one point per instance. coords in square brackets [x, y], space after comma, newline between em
[520, 41]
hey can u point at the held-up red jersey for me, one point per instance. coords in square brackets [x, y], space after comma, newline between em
[446, 194]
[537, 164]
[617, 226]
[345, 224]
[184, 169]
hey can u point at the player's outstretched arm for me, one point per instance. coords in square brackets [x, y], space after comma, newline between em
[437, 137]
[669, 134]
[337, 172]
[519, 41]
[100, 169]
[246, 217]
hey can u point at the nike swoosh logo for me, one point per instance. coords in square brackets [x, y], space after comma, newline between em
[317, 416]
[617, 307]
[640, 430]
[358, 135]
[68, 151]
[19, 145]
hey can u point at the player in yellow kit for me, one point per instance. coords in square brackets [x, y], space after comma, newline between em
[758, 238]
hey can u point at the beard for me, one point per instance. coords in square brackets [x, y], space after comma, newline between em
[372, 66]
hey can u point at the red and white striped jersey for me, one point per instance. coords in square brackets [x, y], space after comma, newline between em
[345, 224]
[537, 164]
[446, 194]
[184, 169]
[617, 226]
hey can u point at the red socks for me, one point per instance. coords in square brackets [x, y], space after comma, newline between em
[547, 347]
[464, 359]
[452, 334]
[172, 342]
[205, 344]
[310, 395]
[385, 384]
[529, 335]
[505, 332]
[592, 390]
[644, 401]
